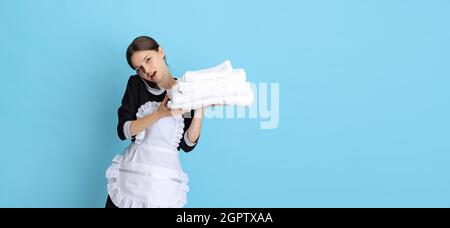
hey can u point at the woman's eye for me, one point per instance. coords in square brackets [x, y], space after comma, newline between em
[148, 60]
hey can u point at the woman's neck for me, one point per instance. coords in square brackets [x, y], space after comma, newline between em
[168, 83]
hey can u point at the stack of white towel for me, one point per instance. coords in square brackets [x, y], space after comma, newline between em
[217, 85]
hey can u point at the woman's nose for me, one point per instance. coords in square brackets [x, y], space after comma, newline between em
[147, 69]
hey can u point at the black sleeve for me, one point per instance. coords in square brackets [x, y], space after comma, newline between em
[183, 145]
[127, 111]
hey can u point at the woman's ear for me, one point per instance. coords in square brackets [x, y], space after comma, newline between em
[161, 52]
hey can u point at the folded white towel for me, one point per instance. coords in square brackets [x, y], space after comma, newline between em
[212, 73]
[240, 90]
[230, 100]
[216, 85]
[235, 77]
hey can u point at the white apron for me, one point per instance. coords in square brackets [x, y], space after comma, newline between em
[149, 173]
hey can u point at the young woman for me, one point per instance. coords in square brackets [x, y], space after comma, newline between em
[149, 173]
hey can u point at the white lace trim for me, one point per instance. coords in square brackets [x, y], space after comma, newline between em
[147, 108]
[122, 201]
[144, 110]
[178, 132]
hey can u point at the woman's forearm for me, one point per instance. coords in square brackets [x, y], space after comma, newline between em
[196, 125]
[141, 124]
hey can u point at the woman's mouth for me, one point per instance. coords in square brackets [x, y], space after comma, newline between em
[152, 76]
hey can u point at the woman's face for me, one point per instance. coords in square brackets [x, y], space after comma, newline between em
[150, 65]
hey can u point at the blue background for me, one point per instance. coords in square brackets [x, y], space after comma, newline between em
[364, 99]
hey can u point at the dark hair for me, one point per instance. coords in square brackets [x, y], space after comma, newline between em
[142, 43]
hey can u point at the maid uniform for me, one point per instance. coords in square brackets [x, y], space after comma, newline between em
[149, 172]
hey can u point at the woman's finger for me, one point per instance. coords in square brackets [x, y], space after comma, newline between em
[164, 101]
[175, 112]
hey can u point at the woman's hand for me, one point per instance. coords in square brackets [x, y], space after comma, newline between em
[164, 111]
